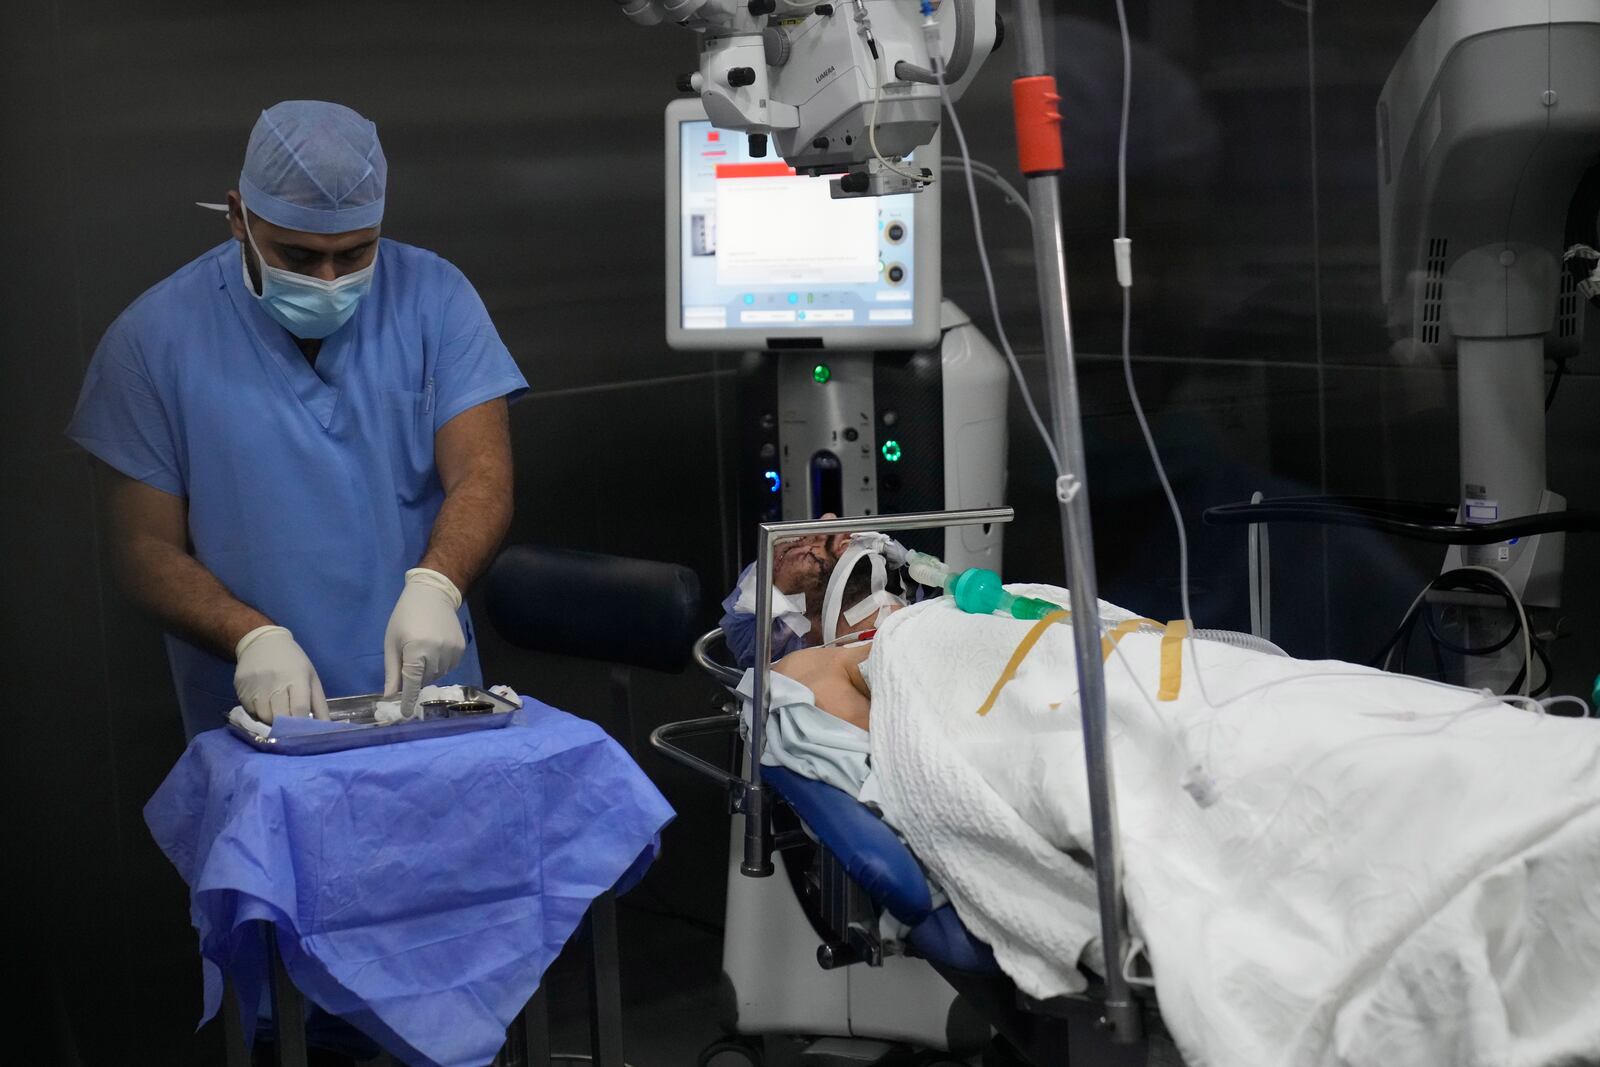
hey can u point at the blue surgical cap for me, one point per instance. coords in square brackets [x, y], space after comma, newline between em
[314, 166]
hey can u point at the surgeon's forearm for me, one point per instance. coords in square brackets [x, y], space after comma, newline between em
[469, 529]
[185, 597]
[149, 537]
[473, 451]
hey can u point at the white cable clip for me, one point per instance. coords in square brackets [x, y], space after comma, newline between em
[1122, 248]
[1067, 487]
[1137, 950]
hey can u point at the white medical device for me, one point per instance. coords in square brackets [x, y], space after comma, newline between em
[871, 395]
[861, 392]
[761, 257]
[1487, 127]
[843, 88]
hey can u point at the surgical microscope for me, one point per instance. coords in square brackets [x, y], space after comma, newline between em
[846, 88]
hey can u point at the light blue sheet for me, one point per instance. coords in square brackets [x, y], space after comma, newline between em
[419, 890]
[806, 739]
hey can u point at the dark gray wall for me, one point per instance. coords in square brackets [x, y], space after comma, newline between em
[526, 148]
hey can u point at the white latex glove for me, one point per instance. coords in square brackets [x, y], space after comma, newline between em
[274, 676]
[424, 641]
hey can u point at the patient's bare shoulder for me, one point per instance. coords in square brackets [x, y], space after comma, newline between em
[828, 663]
[803, 662]
[831, 674]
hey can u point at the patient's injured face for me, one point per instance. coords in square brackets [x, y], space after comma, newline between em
[804, 565]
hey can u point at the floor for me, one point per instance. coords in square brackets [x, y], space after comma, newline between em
[670, 972]
[671, 969]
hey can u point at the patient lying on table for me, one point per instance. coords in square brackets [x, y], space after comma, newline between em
[1329, 864]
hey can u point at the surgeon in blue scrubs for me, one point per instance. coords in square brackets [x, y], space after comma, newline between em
[306, 434]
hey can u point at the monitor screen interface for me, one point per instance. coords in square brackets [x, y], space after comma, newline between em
[764, 248]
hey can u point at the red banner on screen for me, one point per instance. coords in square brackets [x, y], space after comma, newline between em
[754, 170]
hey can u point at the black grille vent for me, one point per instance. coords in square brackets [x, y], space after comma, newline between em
[1567, 306]
[1433, 291]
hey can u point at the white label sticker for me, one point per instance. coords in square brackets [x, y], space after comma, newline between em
[1478, 511]
[1503, 553]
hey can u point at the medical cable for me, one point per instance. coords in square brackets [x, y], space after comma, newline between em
[1369, 675]
[1122, 247]
[994, 177]
[1487, 701]
[1555, 381]
[1430, 621]
[864, 24]
[1203, 787]
[1385, 654]
[988, 270]
[1419, 521]
[1469, 573]
[855, 637]
[1549, 702]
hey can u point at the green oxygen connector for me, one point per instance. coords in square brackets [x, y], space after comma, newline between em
[1595, 694]
[976, 591]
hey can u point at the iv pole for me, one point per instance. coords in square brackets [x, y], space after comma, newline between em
[1039, 150]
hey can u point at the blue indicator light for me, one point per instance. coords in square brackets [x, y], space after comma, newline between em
[774, 481]
[749, 298]
[794, 298]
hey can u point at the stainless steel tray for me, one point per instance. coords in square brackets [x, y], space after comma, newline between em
[358, 717]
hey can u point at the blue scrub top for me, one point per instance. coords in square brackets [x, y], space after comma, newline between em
[311, 490]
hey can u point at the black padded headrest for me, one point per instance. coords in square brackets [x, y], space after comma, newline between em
[610, 608]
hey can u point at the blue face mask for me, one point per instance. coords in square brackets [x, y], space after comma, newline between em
[309, 308]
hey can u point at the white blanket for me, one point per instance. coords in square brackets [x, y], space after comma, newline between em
[1330, 865]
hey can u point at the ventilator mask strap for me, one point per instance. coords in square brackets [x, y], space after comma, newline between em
[875, 601]
[880, 599]
[833, 597]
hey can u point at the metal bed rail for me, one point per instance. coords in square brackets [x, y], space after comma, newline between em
[758, 817]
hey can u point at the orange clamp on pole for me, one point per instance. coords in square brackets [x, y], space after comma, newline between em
[1038, 124]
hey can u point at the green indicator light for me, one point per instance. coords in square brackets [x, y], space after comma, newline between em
[891, 451]
[821, 374]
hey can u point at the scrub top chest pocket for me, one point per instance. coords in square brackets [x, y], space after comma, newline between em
[402, 420]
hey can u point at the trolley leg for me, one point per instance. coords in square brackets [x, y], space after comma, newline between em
[288, 1007]
[536, 1015]
[514, 1053]
[528, 1036]
[233, 1027]
[605, 983]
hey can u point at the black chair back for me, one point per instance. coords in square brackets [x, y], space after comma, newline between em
[630, 611]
